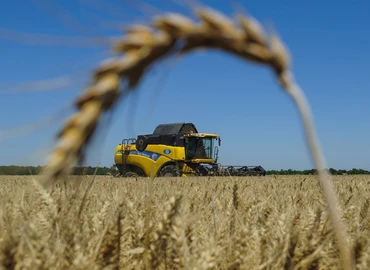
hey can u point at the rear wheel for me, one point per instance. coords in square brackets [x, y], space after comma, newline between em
[170, 171]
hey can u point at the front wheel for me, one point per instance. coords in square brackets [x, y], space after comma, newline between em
[170, 171]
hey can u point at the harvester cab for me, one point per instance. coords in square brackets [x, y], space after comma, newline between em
[200, 148]
[171, 150]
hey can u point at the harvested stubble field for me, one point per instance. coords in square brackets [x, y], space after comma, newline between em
[178, 223]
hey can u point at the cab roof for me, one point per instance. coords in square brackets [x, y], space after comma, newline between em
[175, 128]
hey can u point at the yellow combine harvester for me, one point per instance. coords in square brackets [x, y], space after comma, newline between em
[174, 150]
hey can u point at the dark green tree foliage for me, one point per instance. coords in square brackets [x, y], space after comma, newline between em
[31, 170]
[19, 170]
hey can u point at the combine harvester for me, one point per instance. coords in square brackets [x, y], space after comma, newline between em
[175, 150]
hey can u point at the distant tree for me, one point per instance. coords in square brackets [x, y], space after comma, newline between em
[333, 171]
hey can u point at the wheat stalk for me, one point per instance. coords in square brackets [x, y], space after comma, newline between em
[143, 46]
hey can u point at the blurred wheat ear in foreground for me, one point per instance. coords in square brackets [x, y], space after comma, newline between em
[175, 34]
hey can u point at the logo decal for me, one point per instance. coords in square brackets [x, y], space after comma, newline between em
[147, 154]
[167, 151]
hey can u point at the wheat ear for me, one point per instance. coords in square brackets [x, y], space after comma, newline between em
[143, 46]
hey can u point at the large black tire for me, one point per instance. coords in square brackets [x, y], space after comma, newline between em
[141, 143]
[170, 171]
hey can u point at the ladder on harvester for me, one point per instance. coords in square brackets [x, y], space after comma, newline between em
[125, 151]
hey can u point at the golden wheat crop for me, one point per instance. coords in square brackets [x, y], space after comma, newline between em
[218, 223]
[175, 34]
[180, 223]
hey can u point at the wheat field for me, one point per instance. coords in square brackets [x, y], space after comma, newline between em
[56, 221]
[272, 222]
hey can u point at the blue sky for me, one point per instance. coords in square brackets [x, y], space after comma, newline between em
[258, 123]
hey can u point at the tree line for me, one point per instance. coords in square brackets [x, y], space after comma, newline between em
[34, 170]
[89, 170]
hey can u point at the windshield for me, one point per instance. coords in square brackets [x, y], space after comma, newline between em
[199, 148]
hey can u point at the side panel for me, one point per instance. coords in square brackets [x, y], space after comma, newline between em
[151, 159]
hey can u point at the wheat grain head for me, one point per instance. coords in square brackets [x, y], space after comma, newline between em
[143, 46]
